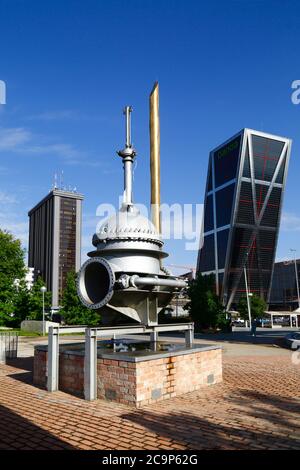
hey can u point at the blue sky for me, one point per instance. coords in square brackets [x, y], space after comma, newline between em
[71, 66]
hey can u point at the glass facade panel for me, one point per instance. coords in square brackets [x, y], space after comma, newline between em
[271, 213]
[266, 153]
[245, 207]
[207, 257]
[280, 174]
[224, 201]
[246, 169]
[261, 192]
[222, 238]
[209, 214]
[241, 245]
[267, 240]
[226, 162]
[209, 181]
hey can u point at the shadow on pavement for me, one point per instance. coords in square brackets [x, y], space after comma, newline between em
[24, 363]
[17, 433]
[249, 430]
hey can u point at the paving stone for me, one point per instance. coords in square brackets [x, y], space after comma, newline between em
[256, 407]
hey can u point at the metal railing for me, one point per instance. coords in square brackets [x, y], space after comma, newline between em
[90, 354]
[8, 346]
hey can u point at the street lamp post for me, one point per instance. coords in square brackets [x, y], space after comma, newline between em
[43, 290]
[248, 297]
[296, 275]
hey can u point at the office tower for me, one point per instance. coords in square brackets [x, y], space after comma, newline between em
[55, 239]
[284, 292]
[243, 199]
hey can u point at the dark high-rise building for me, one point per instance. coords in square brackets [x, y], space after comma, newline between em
[284, 292]
[55, 239]
[243, 198]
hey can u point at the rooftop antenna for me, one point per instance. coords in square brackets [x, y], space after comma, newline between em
[61, 180]
[128, 155]
[55, 181]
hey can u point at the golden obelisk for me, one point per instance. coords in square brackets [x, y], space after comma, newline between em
[155, 156]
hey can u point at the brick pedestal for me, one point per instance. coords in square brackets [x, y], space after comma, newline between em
[138, 380]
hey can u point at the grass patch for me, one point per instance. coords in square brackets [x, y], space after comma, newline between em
[20, 332]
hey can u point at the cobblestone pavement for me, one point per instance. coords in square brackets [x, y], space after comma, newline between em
[256, 407]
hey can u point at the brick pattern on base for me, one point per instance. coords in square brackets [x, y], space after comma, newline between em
[136, 383]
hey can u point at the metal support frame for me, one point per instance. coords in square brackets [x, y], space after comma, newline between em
[154, 336]
[189, 337]
[90, 358]
[53, 359]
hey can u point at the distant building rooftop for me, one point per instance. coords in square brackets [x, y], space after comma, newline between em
[56, 192]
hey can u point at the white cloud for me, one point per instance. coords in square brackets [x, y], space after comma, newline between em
[6, 198]
[13, 223]
[54, 115]
[13, 138]
[65, 115]
[22, 141]
[11, 220]
[290, 222]
[18, 229]
[66, 151]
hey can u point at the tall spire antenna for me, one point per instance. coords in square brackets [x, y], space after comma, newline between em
[155, 156]
[127, 111]
[55, 181]
[128, 155]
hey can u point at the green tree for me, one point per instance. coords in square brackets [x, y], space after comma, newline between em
[258, 307]
[35, 300]
[73, 311]
[204, 306]
[12, 268]
[20, 302]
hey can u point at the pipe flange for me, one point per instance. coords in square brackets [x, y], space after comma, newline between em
[132, 279]
[124, 281]
[85, 295]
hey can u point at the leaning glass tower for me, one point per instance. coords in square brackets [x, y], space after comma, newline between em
[243, 199]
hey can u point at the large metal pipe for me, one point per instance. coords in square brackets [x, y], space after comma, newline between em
[155, 281]
[155, 156]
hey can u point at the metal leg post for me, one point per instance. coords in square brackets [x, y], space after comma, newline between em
[53, 359]
[189, 337]
[90, 364]
[154, 336]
